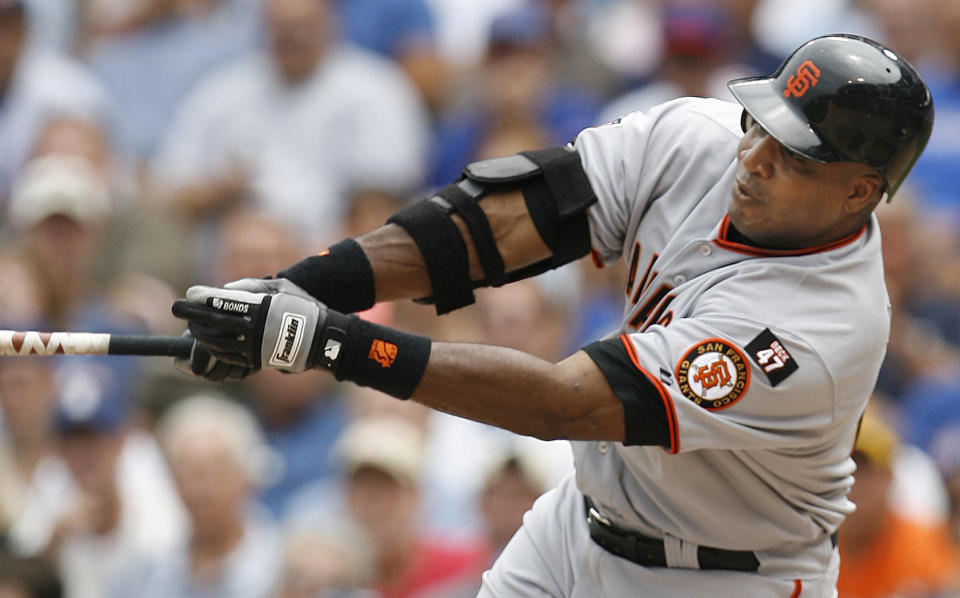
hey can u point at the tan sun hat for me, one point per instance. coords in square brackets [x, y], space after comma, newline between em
[388, 444]
[59, 184]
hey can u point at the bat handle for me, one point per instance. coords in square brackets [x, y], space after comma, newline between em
[134, 344]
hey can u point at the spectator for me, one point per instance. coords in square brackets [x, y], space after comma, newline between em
[86, 139]
[924, 295]
[216, 453]
[463, 27]
[382, 459]
[252, 243]
[32, 476]
[22, 577]
[530, 315]
[931, 421]
[60, 205]
[21, 296]
[149, 67]
[388, 27]
[35, 84]
[779, 26]
[120, 504]
[514, 96]
[513, 482]
[297, 129]
[330, 559]
[882, 553]
[83, 241]
[936, 174]
[369, 207]
[699, 58]
[242, 15]
[301, 418]
[402, 30]
[53, 23]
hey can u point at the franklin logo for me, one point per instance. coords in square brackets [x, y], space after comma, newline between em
[288, 344]
[806, 77]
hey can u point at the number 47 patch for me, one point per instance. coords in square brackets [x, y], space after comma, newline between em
[773, 358]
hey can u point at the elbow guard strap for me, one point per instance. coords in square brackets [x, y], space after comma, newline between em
[558, 203]
[444, 251]
[557, 194]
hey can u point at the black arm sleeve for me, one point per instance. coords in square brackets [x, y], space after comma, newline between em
[648, 412]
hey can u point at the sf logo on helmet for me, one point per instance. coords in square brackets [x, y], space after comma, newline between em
[806, 77]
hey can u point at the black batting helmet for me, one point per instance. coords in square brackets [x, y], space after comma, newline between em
[844, 98]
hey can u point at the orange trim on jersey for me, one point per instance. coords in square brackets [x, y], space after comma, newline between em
[597, 261]
[658, 311]
[664, 396]
[797, 588]
[721, 241]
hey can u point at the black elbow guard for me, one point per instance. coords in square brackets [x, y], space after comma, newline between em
[557, 194]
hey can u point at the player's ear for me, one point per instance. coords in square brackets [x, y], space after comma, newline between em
[865, 192]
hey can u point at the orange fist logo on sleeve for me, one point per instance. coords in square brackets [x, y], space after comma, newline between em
[383, 352]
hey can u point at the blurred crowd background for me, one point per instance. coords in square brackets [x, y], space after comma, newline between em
[146, 145]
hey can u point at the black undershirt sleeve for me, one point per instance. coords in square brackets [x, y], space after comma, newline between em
[646, 420]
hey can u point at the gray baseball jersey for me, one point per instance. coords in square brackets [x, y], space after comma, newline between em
[743, 372]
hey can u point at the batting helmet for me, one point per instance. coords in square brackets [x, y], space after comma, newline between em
[844, 98]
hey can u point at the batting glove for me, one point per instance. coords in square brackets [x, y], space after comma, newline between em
[273, 325]
[202, 363]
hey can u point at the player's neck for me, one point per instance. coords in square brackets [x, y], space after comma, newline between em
[735, 236]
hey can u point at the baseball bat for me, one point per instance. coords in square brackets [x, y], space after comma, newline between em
[92, 343]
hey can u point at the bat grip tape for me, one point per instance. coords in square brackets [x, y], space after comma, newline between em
[132, 344]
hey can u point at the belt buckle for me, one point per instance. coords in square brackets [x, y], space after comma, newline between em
[594, 514]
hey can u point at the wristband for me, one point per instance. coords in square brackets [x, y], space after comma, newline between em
[371, 355]
[340, 277]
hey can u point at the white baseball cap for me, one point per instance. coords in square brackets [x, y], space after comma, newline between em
[59, 184]
[388, 444]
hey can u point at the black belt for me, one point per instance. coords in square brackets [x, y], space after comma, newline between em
[650, 552]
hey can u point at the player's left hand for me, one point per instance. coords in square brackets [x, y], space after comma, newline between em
[272, 325]
[202, 363]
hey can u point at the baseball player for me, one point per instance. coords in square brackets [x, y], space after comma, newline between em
[712, 435]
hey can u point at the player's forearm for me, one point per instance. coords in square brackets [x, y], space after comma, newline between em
[399, 268]
[521, 393]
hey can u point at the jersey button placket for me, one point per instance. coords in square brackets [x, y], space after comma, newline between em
[706, 250]
[603, 446]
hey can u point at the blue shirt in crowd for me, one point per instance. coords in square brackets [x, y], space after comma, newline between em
[388, 27]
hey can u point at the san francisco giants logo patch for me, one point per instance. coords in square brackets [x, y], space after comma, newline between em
[383, 352]
[807, 76]
[713, 374]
